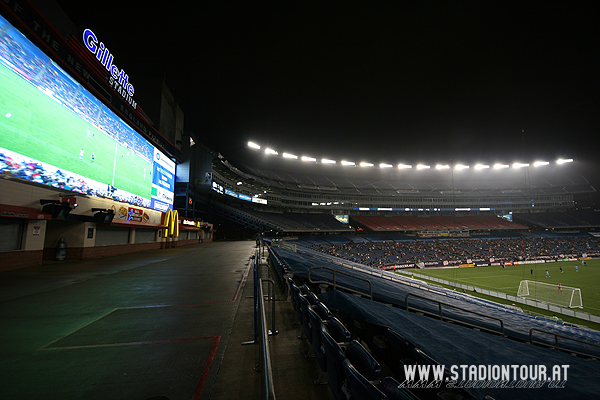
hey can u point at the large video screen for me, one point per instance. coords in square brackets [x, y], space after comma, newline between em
[53, 131]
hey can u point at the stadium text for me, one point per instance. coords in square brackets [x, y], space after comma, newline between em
[106, 59]
[497, 376]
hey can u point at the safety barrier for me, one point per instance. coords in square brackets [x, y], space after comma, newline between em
[408, 308]
[335, 285]
[556, 345]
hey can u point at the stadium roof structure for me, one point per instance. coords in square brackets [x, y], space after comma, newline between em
[279, 174]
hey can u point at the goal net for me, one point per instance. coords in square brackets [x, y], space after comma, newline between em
[551, 293]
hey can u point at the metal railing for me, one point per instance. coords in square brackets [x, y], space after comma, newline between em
[557, 347]
[335, 284]
[440, 314]
[267, 387]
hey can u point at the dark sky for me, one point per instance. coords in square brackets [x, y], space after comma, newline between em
[417, 81]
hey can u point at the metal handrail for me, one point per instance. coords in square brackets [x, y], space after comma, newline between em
[556, 336]
[452, 319]
[267, 386]
[335, 285]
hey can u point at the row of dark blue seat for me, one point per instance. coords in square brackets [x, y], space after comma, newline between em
[352, 372]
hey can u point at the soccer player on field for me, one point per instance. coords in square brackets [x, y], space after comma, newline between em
[559, 288]
[547, 274]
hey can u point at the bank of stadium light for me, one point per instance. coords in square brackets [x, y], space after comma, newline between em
[442, 166]
[327, 161]
[271, 151]
[481, 166]
[564, 161]
[253, 145]
[501, 166]
[348, 163]
[384, 165]
[423, 166]
[540, 163]
[308, 159]
[459, 167]
[291, 156]
[404, 166]
[366, 164]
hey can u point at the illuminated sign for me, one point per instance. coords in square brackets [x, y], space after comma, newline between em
[220, 189]
[171, 223]
[118, 78]
[188, 222]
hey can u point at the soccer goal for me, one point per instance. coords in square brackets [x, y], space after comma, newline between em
[559, 295]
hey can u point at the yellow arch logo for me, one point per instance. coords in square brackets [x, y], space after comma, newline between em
[171, 223]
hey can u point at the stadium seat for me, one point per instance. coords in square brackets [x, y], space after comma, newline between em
[305, 302]
[319, 314]
[399, 352]
[335, 358]
[363, 361]
[360, 387]
[338, 331]
[294, 292]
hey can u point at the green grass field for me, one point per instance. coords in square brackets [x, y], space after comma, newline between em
[36, 126]
[507, 280]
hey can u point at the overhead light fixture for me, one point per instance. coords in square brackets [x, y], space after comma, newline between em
[103, 215]
[461, 166]
[540, 163]
[404, 166]
[444, 166]
[270, 151]
[423, 166]
[288, 155]
[253, 145]
[564, 160]
[501, 166]
[57, 208]
[520, 165]
[366, 164]
[481, 166]
[348, 163]
[326, 161]
[310, 159]
[384, 165]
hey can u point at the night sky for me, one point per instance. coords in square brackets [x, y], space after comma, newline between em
[414, 82]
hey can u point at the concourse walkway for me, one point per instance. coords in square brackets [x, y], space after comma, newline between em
[165, 324]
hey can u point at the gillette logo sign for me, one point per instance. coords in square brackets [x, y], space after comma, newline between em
[106, 59]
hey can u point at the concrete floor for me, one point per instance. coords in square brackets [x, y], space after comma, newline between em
[166, 324]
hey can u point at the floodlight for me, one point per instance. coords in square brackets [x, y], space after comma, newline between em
[288, 155]
[270, 151]
[240, 183]
[404, 166]
[326, 161]
[564, 160]
[312, 159]
[422, 166]
[384, 165]
[57, 208]
[445, 166]
[540, 163]
[366, 164]
[482, 166]
[349, 163]
[520, 165]
[253, 145]
[501, 166]
[103, 215]
[461, 166]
